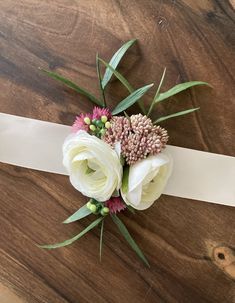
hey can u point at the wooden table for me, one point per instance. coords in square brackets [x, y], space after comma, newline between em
[190, 244]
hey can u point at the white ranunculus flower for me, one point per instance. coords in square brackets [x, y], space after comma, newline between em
[147, 180]
[94, 167]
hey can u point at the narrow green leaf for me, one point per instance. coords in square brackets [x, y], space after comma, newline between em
[101, 238]
[184, 112]
[120, 77]
[179, 88]
[79, 214]
[100, 80]
[70, 241]
[124, 81]
[131, 99]
[115, 61]
[125, 179]
[73, 86]
[131, 209]
[122, 228]
[160, 84]
[157, 92]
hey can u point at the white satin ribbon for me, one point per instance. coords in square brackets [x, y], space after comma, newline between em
[196, 175]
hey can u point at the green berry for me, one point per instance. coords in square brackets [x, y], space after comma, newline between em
[104, 119]
[107, 124]
[104, 211]
[87, 120]
[88, 205]
[99, 124]
[92, 127]
[93, 208]
[102, 131]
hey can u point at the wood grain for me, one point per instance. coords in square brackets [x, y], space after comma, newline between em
[190, 244]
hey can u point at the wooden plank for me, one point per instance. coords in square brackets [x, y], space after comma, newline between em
[8, 296]
[190, 244]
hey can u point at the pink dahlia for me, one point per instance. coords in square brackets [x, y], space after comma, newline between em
[79, 123]
[115, 205]
[98, 112]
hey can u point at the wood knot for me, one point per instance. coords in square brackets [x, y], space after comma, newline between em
[224, 258]
[162, 22]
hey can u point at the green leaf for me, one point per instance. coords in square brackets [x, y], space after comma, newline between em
[131, 209]
[131, 99]
[125, 179]
[160, 84]
[122, 228]
[119, 76]
[70, 241]
[184, 112]
[177, 89]
[73, 86]
[157, 92]
[100, 80]
[115, 61]
[79, 214]
[101, 238]
[124, 81]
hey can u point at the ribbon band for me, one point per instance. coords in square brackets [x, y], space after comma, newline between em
[196, 175]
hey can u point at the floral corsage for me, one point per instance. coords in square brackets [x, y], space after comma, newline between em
[119, 161]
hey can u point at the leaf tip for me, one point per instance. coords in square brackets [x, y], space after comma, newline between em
[133, 40]
[42, 246]
[147, 264]
[208, 84]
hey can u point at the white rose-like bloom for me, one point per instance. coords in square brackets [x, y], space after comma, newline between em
[147, 180]
[94, 167]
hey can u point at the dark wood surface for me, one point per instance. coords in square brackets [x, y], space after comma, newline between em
[190, 244]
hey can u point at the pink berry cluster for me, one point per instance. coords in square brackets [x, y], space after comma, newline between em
[138, 137]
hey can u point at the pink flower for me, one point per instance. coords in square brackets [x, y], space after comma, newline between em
[115, 205]
[98, 112]
[79, 123]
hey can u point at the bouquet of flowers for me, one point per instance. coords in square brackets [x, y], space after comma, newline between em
[117, 160]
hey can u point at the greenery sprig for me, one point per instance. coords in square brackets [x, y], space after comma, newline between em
[134, 95]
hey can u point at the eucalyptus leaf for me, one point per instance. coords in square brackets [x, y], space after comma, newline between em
[70, 241]
[184, 112]
[72, 85]
[123, 230]
[101, 238]
[131, 99]
[125, 179]
[79, 214]
[115, 61]
[177, 89]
